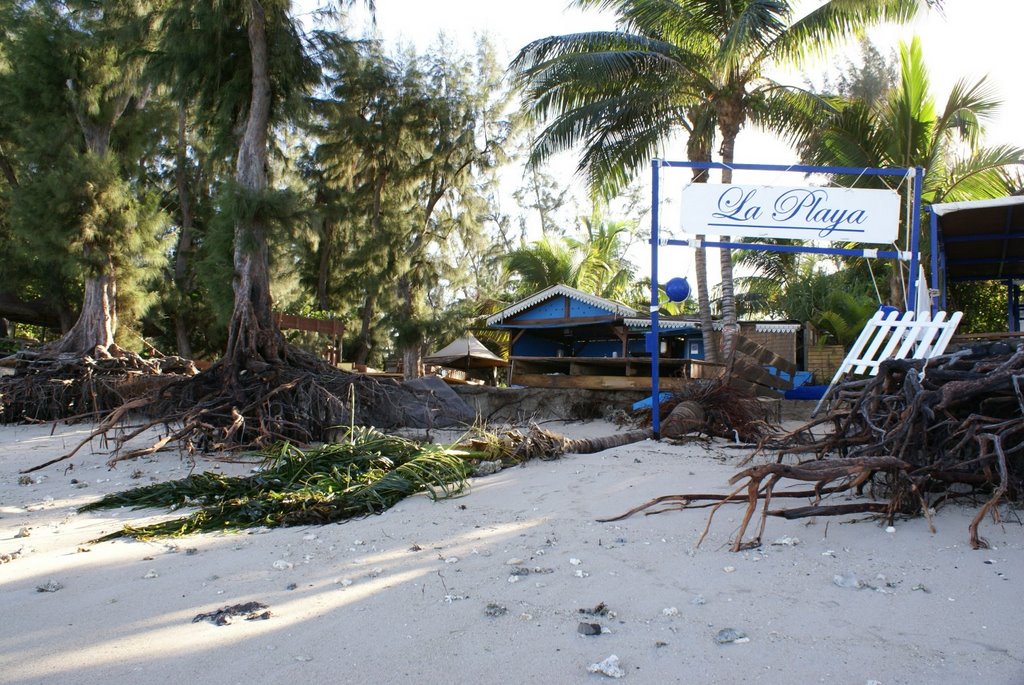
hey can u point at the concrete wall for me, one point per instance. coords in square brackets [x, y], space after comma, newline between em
[524, 404]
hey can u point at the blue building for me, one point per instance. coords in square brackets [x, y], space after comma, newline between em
[564, 337]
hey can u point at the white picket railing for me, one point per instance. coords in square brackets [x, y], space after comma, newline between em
[895, 335]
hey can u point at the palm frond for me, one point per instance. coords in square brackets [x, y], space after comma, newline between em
[365, 473]
[837, 21]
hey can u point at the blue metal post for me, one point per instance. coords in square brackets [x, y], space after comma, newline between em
[655, 341]
[915, 237]
[934, 225]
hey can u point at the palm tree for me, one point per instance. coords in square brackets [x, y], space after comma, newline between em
[906, 129]
[605, 270]
[541, 264]
[622, 94]
[595, 263]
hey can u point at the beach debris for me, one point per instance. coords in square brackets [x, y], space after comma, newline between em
[487, 468]
[514, 578]
[575, 562]
[23, 532]
[670, 611]
[728, 569]
[585, 628]
[292, 586]
[494, 610]
[303, 658]
[451, 560]
[26, 480]
[922, 588]
[786, 542]
[49, 586]
[282, 565]
[151, 574]
[8, 557]
[609, 667]
[250, 611]
[698, 600]
[660, 643]
[520, 571]
[600, 609]
[849, 580]
[727, 636]
[580, 573]
[890, 529]
[514, 561]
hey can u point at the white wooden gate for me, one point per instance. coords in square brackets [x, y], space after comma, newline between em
[894, 335]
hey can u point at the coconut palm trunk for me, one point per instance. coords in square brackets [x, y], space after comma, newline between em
[698, 149]
[731, 115]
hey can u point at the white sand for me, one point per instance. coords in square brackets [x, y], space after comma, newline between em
[367, 609]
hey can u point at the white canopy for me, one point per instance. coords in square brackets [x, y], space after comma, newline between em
[465, 353]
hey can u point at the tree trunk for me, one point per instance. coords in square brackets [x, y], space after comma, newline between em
[184, 250]
[897, 280]
[362, 353]
[324, 268]
[252, 333]
[412, 352]
[8, 169]
[5, 328]
[93, 332]
[730, 121]
[698, 149]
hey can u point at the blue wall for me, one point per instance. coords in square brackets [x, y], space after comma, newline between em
[550, 309]
[535, 346]
[582, 309]
[599, 348]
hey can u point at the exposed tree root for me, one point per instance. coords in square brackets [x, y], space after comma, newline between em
[303, 401]
[710, 407]
[68, 387]
[918, 429]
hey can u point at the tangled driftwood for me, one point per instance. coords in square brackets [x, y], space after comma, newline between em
[924, 432]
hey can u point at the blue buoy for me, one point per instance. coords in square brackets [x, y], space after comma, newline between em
[677, 289]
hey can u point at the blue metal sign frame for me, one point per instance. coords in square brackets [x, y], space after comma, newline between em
[654, 342]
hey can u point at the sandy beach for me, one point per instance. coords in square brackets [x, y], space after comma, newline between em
[489, 587]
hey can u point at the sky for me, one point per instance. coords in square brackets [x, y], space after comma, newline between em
[969, 39]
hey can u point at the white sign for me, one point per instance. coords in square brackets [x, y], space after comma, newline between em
[854, 215]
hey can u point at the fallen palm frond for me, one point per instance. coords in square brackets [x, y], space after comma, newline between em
[365, 473]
